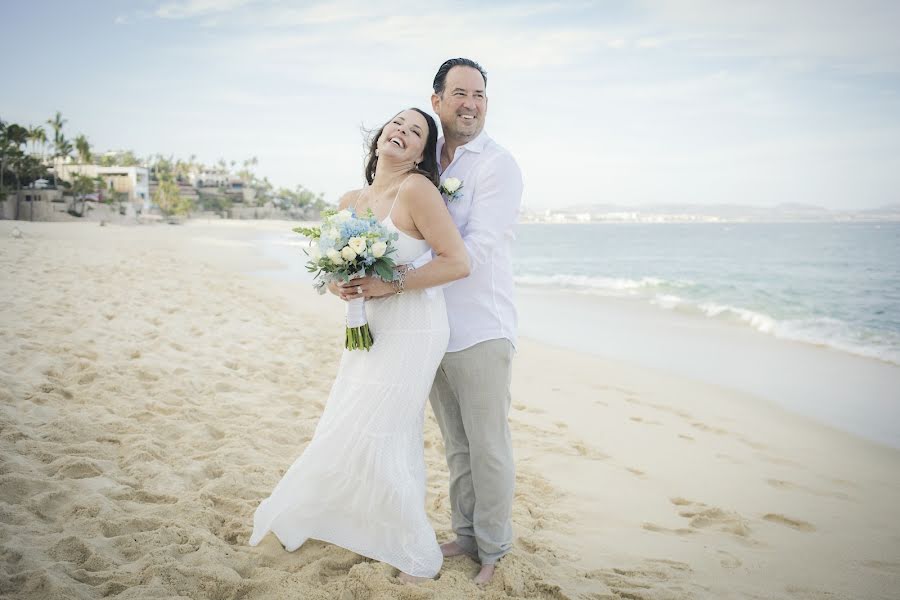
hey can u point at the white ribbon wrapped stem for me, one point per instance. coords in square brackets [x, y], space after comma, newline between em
[356, 308]
[356, 312]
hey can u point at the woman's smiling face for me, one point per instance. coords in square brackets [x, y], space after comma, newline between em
[403, 137]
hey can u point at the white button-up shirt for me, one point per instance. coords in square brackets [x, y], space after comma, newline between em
[481, 306]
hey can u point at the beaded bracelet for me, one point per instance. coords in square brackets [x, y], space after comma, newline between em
[400, 281]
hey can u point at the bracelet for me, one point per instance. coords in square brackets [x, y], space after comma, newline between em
[400, 281]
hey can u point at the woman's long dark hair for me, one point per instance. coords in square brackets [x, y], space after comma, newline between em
[428, 167]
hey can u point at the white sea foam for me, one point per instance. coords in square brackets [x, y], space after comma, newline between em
[667, 301]
[756, 320]
[582, 283]
[819, 331]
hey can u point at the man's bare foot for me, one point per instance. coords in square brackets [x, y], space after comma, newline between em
[452, 549]
[406, 578]
[484, 575]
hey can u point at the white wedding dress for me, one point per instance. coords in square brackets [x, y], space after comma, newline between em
[360, 483]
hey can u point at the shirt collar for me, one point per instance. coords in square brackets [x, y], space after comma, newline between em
[476, 145]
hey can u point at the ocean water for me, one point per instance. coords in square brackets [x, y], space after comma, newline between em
[827, 284]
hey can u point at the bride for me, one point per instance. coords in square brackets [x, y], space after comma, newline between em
[360, 483]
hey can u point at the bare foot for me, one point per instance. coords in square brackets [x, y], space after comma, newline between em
[406, 578]
[484, 575]
[452, 549]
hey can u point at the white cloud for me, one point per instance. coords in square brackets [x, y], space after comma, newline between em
[186, 9]
[859, 36]
[684, 101]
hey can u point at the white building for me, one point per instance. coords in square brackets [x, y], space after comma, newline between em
[208, 178]
[134, 181]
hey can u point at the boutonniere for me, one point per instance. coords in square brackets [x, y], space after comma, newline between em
[451, 188]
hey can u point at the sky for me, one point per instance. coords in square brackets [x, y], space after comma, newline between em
[610, 102]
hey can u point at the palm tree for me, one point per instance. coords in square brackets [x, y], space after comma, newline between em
[12, 137]
[57, 123]
[16, 136]
[83, 148]
[37, 135]
[63, 149]
[4, 151]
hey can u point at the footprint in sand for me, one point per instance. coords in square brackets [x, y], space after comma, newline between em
[728, 560]
[703, 517]
[583, 449]
[635, 582]
[221, 386]
[660, 529]
[145, 497]
[781, 484]
[716, 518]
[87, 378]
[645, 421]
[127, 526]
[886, 567]
[788, 522]
[675, 411]
[73, 467]
[709, 428]
[144, 375]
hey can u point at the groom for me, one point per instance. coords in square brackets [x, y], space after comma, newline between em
[470, 395]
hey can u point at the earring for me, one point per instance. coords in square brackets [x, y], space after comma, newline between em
[376, 151]
[416, 165]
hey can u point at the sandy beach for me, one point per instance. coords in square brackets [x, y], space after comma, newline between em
[153, 390]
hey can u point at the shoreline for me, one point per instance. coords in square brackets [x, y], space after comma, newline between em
[153, 392]
[853, 393]
[849, 392]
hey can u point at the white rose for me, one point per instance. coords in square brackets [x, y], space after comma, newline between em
[358, 244]
[343, 216]
[334, 256]
[314, 253]
[347, 253]
[451, 184]
[378, 249]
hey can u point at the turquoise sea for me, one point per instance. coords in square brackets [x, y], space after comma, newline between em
[829, 284]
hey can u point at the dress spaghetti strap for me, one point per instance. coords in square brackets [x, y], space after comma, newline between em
[397, 195]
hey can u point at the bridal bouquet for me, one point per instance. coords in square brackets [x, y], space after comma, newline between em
[347, 246]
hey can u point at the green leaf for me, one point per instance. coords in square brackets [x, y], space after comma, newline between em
[313, 233]
[384, 271]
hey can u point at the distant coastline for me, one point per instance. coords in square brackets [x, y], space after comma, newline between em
[695, 213]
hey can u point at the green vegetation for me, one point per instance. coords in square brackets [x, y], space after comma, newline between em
[169, 199]
[177, 186]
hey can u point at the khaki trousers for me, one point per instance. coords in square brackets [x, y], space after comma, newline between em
[470, 398]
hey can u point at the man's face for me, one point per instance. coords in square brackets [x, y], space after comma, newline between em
[463, 105]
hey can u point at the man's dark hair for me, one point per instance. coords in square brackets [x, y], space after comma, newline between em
[440, 78]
